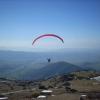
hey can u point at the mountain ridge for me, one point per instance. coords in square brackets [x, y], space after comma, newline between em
[54, 69]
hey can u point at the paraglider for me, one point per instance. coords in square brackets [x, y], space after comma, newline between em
[43, 35]
[48, 35]
[48, 59]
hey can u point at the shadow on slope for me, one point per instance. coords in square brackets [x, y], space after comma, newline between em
[53, 69]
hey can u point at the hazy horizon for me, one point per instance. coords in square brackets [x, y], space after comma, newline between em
[25, 49]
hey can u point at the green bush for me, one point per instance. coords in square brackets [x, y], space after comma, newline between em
[45, 93]
[2, 95]
[35, 95]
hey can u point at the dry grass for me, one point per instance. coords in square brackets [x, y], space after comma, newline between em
[7, 88]
[85, 85]
[64, 97]
[60, 93]
[85, 74]
[56, 97]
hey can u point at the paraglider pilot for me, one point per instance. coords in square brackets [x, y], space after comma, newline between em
[48, 59]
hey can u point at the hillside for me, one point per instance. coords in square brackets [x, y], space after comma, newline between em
[68, 85]
[53, 69]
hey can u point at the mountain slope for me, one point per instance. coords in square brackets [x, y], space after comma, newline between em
[53, 69]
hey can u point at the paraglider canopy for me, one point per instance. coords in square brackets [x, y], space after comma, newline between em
[47, 35]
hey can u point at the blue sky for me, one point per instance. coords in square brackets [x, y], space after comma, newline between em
[77, 22]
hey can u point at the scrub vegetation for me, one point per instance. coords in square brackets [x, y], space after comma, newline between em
[68, 86]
